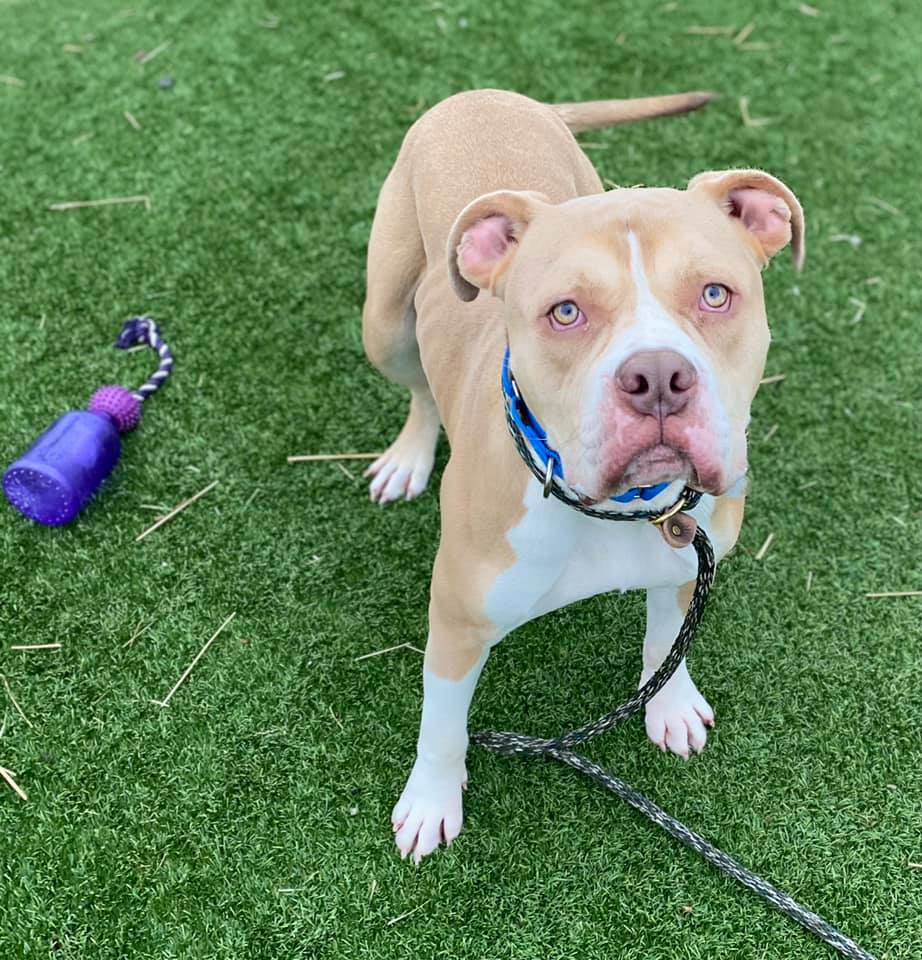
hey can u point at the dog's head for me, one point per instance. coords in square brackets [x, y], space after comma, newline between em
[636, 319]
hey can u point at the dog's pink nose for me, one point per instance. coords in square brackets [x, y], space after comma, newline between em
[656, 383]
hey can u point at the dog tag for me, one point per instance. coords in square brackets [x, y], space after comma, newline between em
[679, 530]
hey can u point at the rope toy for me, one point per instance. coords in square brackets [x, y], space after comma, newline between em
[679, 529]
[58, 474]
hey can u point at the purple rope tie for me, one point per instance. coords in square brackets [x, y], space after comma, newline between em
[121, 404]
[144, 330]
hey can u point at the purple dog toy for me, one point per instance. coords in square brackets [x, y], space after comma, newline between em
[53, 480]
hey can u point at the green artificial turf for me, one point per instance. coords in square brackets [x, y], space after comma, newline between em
[250, 817]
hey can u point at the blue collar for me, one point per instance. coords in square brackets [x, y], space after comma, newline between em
[536, 435]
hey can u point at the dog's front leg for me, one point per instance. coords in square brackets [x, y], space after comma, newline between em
[677, 717]
[429, 810]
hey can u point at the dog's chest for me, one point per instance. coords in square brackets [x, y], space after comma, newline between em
[563, 556]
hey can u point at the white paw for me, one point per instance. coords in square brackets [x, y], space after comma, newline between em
[429, 811]
[677, 718]
[402, 471]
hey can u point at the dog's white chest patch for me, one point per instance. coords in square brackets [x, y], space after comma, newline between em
[563, 556]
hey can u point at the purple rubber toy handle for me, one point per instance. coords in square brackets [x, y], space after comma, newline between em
[54, 479]
[63, 468]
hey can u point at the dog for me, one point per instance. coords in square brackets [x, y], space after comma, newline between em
[633, 325]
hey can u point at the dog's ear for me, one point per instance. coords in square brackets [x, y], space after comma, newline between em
[483, 240]
[763, 205]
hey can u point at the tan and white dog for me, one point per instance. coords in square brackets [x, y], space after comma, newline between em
[637, 334]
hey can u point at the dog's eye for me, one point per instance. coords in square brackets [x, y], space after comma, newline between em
[566, 313]
[715, 296]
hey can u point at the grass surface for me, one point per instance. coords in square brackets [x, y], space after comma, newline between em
[250, 818]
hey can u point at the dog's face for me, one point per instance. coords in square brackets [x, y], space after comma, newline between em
[636, 321]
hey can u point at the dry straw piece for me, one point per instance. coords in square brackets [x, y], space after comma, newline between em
[744, 34]
[317, 457]
[748, 119]
[139, 631]
[8, 776]
[165, 701]
[859, 313]
[13, 700]
[339, 722]
[147, 57]
[403, 916]
[177, 509]
[764, 548]
[104, 202]
[377, 653]
[894, 593]
[886, 206]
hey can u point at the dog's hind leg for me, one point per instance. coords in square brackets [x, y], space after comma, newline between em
[396, 261]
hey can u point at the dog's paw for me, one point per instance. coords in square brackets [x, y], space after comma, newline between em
[429, 811]
[677, 718]
[402, 471]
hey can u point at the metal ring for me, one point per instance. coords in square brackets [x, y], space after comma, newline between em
[671, 512]
[548, 477]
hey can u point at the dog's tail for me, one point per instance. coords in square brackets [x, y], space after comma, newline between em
[606, 113]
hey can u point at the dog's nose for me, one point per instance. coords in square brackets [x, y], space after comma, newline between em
[656, 383]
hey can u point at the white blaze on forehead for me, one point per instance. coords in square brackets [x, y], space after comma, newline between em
[651, 328]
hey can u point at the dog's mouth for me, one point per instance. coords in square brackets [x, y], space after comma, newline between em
[656, 465]
[659, 464]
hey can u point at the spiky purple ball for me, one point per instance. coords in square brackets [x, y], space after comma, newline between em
[119, 404]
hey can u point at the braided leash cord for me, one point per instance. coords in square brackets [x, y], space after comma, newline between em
[516, 744]
[522, 745]
[140, 330]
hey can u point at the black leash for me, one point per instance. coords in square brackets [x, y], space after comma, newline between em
[678, 529]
